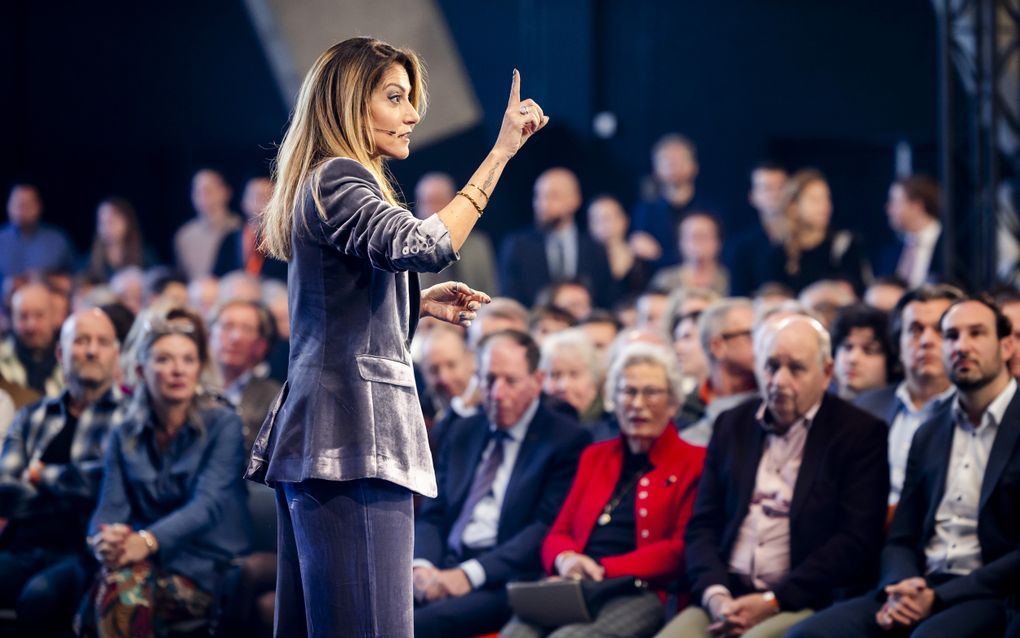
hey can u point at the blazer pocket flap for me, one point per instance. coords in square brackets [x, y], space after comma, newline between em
[373, 368]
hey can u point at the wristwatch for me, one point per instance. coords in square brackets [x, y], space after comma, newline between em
[770, 598]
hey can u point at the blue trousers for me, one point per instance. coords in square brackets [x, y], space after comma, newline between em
[344, 559]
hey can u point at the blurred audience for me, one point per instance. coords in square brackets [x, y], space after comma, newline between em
[239, 249]
[548, 320]
[197, 242]
[28, 244]
[700, 247]
[746, 251]
[884, 292]
[27, 354]
[826, 297]
[608, 223]
[118, 240]
[862, 350]
[914, 208]
[571, 371]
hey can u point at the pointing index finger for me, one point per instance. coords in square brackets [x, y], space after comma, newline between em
[515, 89]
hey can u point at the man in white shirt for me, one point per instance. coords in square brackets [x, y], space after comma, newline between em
[913, 209]
[953, 553]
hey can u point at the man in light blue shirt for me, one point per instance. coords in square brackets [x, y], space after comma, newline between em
[26, 244]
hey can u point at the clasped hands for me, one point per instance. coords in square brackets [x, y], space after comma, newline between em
[431, 584]
[910, 601]
[117, 545]
[734, 616]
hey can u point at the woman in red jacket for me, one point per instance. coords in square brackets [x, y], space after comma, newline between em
[629, 504]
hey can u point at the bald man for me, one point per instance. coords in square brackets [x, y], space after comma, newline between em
[555, 249]
[50, 473]
[27, 354]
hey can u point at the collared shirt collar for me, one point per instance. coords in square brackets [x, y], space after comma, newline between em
[903, 395]
[992, 415]
[765, 417]
[927, 236]
[517, 431]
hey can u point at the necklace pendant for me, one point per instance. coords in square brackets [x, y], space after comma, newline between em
[605, 519]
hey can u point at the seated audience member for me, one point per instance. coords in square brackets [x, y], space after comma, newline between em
[629, 504]
[7, 410]
[50, 470]
[240, 285]
[197, 242]
[745, 251]
[812, 250]
[572, 374]
[607, 224]
[826, 297]
[122, 319]
[238, 250]
[164, 286]
[926, 389]
[791, 503]
[601, 328]
[1009, 301]
[128, 284]
[448, 368]
[655, 224]
[684, 309]
[27, 244]
[864, 356]
[241, 336]
[118, 240]
[914, 207]
[203, 295]
[572, 296]
[700, 246]
[725, 331]
[477, 264]
[952, 559]
[652, 307]
[884, 292]
[548, 320]
[19, 395]
[771, 293]
[556, 249]
[27, 354]
[625, 311]
[172, 511]
[478, 534]
[502, 313]
[274, 295]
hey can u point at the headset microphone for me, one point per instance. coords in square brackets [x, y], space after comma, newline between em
[382, 130]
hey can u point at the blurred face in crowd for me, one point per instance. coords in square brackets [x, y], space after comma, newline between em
[974, 354]
[237, 343]
[575, 299]
[432, 194]
[240, 286]
[860, 362]
[174, 294]
[733, 347]
[767, 191]
[507, 386]
[545, 326]
[921, 342]
[674, 164]
[278, 307]
[814, 206]
[210, 194]
[447, 365]
[110, 224]
[689, 353]
[905, 215]
[569, 379]
[557, 197]
[24, 206]
[651, 307]
[172, 369]
[32, 316]
[203, 294]
[257, 193]
[88, 349]
[607, 221]
[793, 374]
[699, 239]
[129, 286]
[390, 109]
[883, 296]
[644, 406]
[1012, 310]
[601, 334]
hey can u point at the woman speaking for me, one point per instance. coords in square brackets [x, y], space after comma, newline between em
[345, 446]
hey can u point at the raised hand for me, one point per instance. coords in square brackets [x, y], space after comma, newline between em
[453, 302]
[522, 119]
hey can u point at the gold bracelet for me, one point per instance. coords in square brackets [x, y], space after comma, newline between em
[150, 540]
[480, 191]
[472, 200]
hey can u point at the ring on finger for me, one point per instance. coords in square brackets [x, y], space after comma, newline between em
[524, 110]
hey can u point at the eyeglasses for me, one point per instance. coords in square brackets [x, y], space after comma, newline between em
[726, 336]
[648, 395]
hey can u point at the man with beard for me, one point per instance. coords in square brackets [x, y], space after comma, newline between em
[26, 355]
[952, 558]
[50, 471]
[791, 503]
[556, 250]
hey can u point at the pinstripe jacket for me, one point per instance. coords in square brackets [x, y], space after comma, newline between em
[11, 369]
[32, 431]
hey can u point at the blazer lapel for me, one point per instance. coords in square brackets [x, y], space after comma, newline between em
[473, 449]
[526, 457]
[1002, 449]
[941, 447]
[811, 459]
[747, 470]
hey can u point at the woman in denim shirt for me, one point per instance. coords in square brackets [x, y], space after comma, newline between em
[172, 512]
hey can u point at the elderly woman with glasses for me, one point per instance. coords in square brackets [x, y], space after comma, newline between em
[632, 496]
[172, 512]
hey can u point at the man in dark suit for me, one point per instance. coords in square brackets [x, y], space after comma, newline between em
[913, 208]
[502, 476]
[925, 388]
[953, 552]
[238, 250]
[791, 503]
[556, 250]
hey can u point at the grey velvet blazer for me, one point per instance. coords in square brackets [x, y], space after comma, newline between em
[349, 409]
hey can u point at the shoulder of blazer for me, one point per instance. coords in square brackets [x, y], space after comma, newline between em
[877, 401]
[740, 416]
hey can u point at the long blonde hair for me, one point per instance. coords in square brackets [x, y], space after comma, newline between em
[331, 119]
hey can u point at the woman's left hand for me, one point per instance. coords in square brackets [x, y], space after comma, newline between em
[453, 302]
